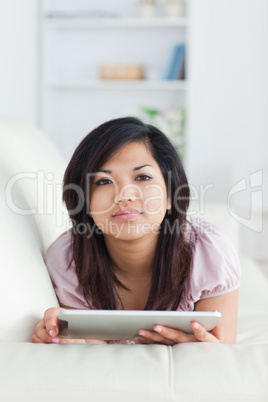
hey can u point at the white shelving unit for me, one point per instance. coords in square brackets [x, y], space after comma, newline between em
[80, 22]
[127, 85]
[73, 98]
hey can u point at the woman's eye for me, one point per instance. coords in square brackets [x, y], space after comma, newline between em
[103, 182]
[143, 177]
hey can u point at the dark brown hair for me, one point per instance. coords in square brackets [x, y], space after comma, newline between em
[175, 247]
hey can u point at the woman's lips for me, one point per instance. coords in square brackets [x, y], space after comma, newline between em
[126, 214]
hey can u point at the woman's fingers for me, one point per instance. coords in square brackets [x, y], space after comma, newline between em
[41, 336]
[164, 335]
[40, 333]
[204, 336]
[174, 335]
[94, 341]
[170, 336]
[46, 331]
[150, 337]
[64, 341]
[61, 341]
[51, 321]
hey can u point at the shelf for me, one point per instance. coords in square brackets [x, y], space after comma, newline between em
[77, 39]
[91, 23]
[119, 85]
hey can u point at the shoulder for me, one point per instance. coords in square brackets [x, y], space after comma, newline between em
[61, 268]
[59, 261]
[60, 252]
[215, 266]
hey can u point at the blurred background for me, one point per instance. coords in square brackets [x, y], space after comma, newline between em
[198, 69]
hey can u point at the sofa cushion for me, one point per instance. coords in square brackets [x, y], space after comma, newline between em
[27, 161]
[190, 372]
[253, 305]
[25, 287]
[33, 178]
[218, 214]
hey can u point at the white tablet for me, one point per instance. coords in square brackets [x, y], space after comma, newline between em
[125, 324]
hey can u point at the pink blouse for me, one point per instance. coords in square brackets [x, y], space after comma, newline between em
[215, 269]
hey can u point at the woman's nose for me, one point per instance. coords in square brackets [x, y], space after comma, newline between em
[128, 192]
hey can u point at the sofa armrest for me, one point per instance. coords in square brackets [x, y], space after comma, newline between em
[185, 372]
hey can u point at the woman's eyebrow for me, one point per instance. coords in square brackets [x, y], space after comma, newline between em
[140, 167]
[104, 171]
[135, 168]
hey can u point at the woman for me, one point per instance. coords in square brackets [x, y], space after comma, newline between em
[132, 245]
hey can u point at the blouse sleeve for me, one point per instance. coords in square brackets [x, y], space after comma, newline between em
[216, 268]
[62, 273]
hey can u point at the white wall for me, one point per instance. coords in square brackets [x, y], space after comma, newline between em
[228, 96]
[228, 110]
[228, 119]
[18, 55]
[228, 101]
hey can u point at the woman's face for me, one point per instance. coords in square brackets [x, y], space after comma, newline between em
[128, 197]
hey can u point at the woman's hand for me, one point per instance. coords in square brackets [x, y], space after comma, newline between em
[47, 330]
[168, 336]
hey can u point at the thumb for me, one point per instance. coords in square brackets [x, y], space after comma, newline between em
[51, 321]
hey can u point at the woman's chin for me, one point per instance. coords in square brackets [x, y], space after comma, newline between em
[130, 235]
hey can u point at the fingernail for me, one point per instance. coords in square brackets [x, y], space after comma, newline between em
[158, 328]
[142, 333]
[55, 340]
[51, 333]
[136, 338]
[195, 325]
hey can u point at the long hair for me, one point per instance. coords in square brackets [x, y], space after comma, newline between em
[174, 248]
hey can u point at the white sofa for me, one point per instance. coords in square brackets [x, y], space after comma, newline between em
[40, 372]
